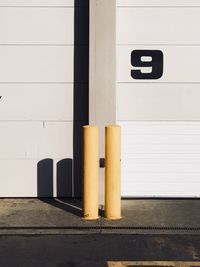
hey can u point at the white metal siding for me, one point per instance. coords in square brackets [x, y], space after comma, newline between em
[156, 3]
[181, 64]
[155, 101]
[39, 3]
[161, 159]
[36, 89]
[36, 25]
[35, 140]
[163, 25]
[160, 118]
[36, 64]
[19, 102]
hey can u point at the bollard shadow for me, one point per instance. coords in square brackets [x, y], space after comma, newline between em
[45, 178]
[64, 179]
[64, 198]
[73, 206]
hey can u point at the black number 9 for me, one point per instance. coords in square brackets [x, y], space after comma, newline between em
[155, 62]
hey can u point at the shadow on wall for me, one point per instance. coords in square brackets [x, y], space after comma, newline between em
[81, 86]
[45, 178]
[64, 185]
[69, 174]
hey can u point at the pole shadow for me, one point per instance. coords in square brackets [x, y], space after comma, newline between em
[81, 88]
[69, 172]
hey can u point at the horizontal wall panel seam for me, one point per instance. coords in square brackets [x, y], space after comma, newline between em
[70, 7]
[27, 159]
[164, 120]
[35, 159]
[155, 44]
[39, 121]
[154, 122]
[161, 182]
[142, 134]
[139, 162]
[46, 44]
[45, 121]
[158, 7]
[44, 83]
[147, 82]
[132, 3]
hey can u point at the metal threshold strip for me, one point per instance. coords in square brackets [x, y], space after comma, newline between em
[155, 264]
[174, 228]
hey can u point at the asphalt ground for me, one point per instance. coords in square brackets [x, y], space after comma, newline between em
[64, 216]
[96, 250]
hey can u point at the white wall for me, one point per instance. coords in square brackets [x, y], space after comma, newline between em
[102, 71]
[36, 89]
[160, 118]
[173, 29]
[157, 3]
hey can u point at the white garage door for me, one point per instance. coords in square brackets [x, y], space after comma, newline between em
[36, 89]
[158, 92]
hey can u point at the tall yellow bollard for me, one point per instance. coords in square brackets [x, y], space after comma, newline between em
[90, 172]
[113, 172]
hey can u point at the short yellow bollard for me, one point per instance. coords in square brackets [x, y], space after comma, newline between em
[113, 172]
[90, 172]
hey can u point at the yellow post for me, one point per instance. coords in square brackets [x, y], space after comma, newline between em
[90, 172]
[113, 172]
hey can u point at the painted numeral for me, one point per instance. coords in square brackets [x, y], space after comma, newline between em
[150, 59]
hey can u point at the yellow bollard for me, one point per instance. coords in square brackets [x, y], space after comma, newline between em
[113, 172]
[90, 172]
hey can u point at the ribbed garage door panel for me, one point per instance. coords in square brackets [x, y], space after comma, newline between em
[160, 159]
